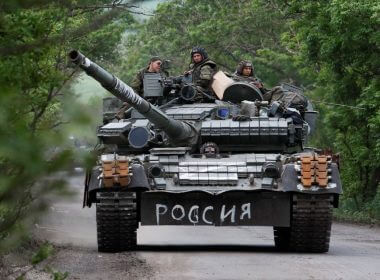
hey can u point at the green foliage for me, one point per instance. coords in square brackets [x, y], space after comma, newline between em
[43, 253]
[60, 276]
[57, 275]
[23, 162]
[340, 44]
[230, 31]
[369, 212]
[35, 37]
[62, 28]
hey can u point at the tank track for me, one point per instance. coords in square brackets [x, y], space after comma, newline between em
[116, 221]
[310, 225]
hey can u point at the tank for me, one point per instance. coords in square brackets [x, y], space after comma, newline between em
[238, 160]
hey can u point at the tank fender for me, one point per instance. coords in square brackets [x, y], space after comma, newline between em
[93, 183]
[139, 180]
[290, 181]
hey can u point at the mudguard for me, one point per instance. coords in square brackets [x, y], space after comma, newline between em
[94, 184]
[290, 182]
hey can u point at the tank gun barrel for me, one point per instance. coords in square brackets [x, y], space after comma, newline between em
[178, 131]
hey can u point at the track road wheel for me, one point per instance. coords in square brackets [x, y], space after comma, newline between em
[116, 220]
[310, 225]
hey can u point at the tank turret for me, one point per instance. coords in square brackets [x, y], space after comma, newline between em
[179, 132]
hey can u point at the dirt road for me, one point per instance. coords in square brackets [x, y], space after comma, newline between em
[202, 252]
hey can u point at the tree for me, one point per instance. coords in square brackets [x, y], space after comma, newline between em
[229, 30]
[35, 37]
[340, 44]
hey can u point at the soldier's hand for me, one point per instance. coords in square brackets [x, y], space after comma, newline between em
[241, 118]
[258, 84]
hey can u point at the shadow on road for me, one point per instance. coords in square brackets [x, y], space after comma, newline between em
[207, 248]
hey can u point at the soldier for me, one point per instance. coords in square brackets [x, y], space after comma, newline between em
[154, 66]
[137, 83]
[244, 73]
[202, 70]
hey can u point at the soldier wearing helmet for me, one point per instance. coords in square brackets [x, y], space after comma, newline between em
[202, 70]
[154, 66]
[245, 73]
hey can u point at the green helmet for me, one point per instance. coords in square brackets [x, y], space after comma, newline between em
[242, 64]
[199, 50]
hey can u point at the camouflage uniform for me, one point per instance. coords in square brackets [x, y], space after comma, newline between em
[251, 79]
[137, 83]
[202, 73]
[288, 98]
